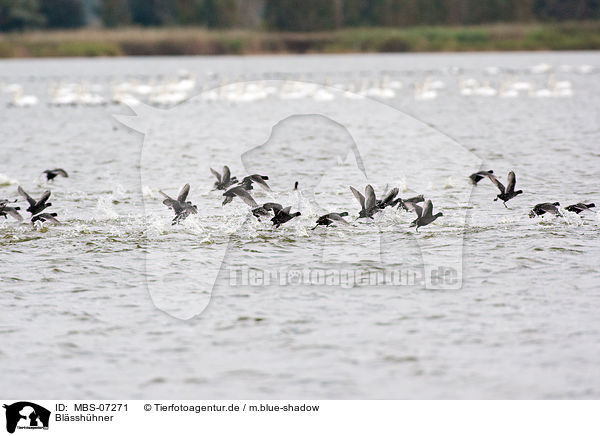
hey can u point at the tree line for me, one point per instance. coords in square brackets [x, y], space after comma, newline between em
[286, 15]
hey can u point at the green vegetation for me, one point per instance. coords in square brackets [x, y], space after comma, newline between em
[287, 15]
[207, 27]
[192, 41]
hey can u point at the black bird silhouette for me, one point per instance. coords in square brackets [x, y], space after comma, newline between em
[180, 206]
[283, 216]
[330, 218]
[579, 207]
[542, 208]
[35, 207]
[425, 215]
[51, 174]
[43, 217]
[369, 204]
[224, 180]
[247, 182]
[508, 192]
[296, 186]
[476, 177]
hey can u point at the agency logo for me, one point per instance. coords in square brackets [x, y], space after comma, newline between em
[26, 415]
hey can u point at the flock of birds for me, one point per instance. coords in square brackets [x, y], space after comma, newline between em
[37, 208]
[369, 204]
[168, 91]
[133, 94]
[279, 215]
[507, 192]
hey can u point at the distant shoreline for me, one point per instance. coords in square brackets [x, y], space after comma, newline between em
[199, 41]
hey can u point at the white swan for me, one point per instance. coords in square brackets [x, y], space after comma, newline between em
[20, 100]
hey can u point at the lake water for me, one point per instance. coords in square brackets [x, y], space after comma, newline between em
[115, 302]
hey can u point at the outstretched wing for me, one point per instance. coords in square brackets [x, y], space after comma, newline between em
[45, 196]
[244, 196]
[549, 207]
[417, 199]
[428, 209]
[61, 172]
[390, 196]
[26, 196]
[49, 217]
[13, 212]
[226, 174]
[418, 210]
[359, 197]
[216, 174]
[166, 196]
[496, 182]
[171, 203]
[337, 217]
[260, 180]
[512, 181]
[184, 192]
[370, 201]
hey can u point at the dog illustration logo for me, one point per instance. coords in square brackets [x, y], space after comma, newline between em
[26, 415]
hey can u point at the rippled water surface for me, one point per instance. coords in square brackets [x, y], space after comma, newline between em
[116, 302]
